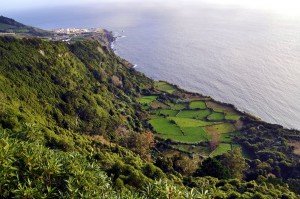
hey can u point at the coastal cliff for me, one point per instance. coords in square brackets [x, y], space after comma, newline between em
[77, 121]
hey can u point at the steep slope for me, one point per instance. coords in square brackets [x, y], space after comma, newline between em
[71, 126]
[52, 106]
[47, 84]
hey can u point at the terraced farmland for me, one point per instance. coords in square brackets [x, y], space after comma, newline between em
[191, 121]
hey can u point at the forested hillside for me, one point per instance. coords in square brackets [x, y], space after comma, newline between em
[74, 124]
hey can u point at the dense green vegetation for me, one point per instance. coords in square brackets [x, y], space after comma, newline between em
[77, 122]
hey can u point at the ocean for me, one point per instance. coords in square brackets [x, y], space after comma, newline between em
[244, 56]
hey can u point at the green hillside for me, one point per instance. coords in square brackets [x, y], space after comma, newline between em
[76, 122]
[8, 25]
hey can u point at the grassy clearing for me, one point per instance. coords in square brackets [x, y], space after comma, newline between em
[167, 112]
[187, 122]
[230, 113]
[183, 132]
[146, 99]
[227, 137]
[197, 104]
[195, 134]
[216, 116]
[229, 116]
[194, 114]
[220, 128]
[164, 127]
[165, 87]
[222, 148]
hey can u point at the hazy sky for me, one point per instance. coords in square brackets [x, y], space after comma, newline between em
[288, 7]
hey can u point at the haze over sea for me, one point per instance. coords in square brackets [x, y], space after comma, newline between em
[246, 55]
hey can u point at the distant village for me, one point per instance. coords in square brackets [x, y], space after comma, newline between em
[67, 34]
[76, 30]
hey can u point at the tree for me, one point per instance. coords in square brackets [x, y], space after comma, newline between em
[235, 163]
[213, 167]
[185, 165]
[116, 81]
[142, 144]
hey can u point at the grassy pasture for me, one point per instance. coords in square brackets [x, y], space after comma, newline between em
[195, 134]
[187, 122]
[165, 87]
[230, 113]
[194, 114]
[146, 99]
[230, 116]
[164, 127]
[216, 116]
[227, 137]
[222, 148]
[220, 128]
[197, 105]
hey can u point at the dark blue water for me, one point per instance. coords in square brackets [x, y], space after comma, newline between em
[246, 57]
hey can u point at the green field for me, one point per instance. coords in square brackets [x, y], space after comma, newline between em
[165, 87]
[216, 116]
[230, 113]
[197, 105]
[195, 134]
[187, 122]
[186, 131]
[220, 128]
[167, 130]
[164, 127]
[222, 148]
[194, 114]
[227, 137]
[146, 100]
[229, 116]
